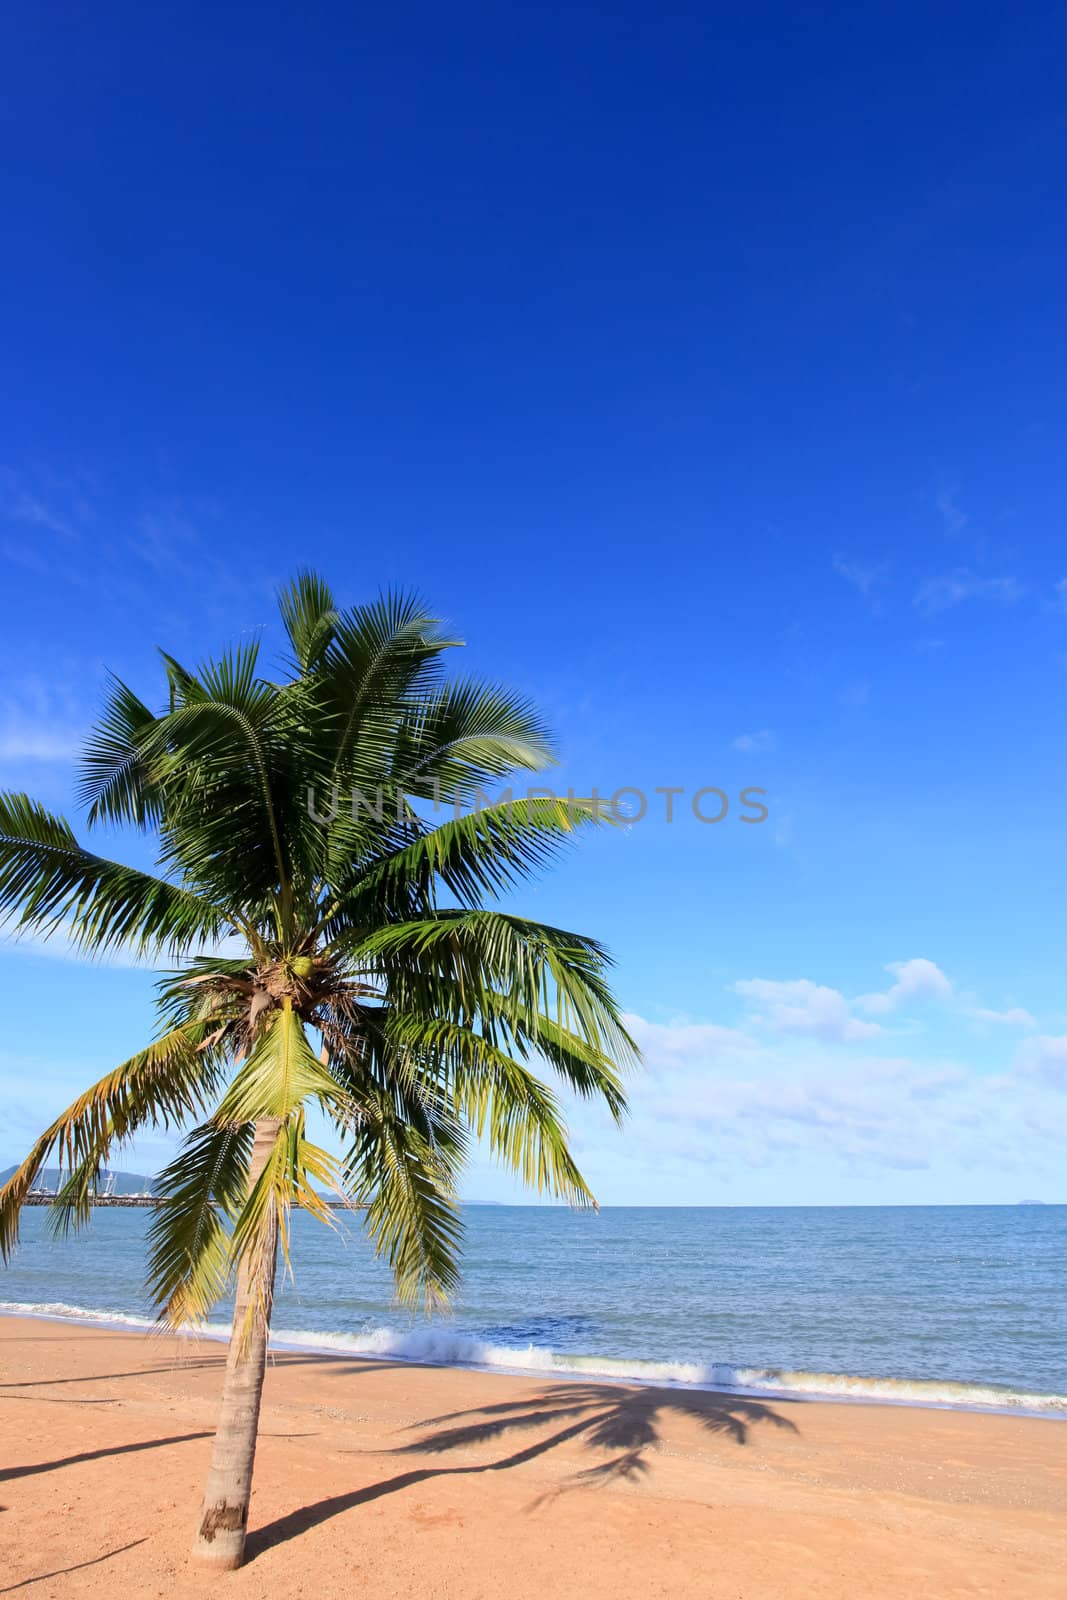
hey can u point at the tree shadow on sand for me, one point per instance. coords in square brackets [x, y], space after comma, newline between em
[178, 1366]
[625, 1424]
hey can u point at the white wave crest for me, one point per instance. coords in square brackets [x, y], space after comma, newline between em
[58, 1310]
[448, 1346]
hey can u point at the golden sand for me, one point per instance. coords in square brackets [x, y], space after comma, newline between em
[379, 1479]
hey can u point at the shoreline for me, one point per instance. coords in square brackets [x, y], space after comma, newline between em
[860, 1390]
[394, 1478]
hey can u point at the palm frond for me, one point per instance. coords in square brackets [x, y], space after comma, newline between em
[403, 1164]
[159, 1087]
[482, 854]
[213, 1217]
[476, 953]
[500, 1099]
[48, 882]
[380, 657]
[189, 1263]
[280, 1074]
[309, 614]
[117, 783]
[182, 684]
[591, 1070]
[290, 1166]
[462, 736]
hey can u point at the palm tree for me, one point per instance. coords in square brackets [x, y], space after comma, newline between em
[333, 951]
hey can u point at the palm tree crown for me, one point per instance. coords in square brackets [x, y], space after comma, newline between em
[351, 965]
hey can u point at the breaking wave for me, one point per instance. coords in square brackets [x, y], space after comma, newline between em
[449, 1346]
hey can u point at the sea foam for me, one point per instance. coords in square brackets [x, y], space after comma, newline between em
[442, 1345]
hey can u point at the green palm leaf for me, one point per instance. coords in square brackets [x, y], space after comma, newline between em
[48, 882]
[279, 1075]
[189, 1261]
[309, 616]
[403, 1164]
[117, 781]
[159, 1087]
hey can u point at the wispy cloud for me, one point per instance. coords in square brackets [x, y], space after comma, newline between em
[59, 946]
[39, 744]
[41, 722]
[164, 541]
[866, 578]
[1045, 1058]
[755, 743]
[950, 511]
[1013, 1017]
[18, 504]
[953, 588]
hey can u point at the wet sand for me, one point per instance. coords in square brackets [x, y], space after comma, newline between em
[379, 1479]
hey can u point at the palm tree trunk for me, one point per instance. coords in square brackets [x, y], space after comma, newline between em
[220, 1537]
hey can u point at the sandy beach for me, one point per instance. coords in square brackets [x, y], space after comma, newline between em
[383, 1479]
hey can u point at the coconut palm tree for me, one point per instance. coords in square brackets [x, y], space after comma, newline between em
[334, 953]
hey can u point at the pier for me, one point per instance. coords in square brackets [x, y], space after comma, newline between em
[153, 1200]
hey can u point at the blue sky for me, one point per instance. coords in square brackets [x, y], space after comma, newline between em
[704, 368]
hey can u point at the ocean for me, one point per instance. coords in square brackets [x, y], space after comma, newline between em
[945, 1305]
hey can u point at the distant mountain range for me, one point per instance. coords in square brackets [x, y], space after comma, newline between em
[125, 1182]
[141, 1183]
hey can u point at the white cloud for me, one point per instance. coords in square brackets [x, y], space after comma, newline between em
[668, 1041]
[806, 1100]
[800, 1006]
[1013, 1017]
[1044, 1058]
[951, 588]
[717, 1100]
[755, 743]
[917, 980]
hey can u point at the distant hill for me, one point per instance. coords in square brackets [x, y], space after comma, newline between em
[125, 1182]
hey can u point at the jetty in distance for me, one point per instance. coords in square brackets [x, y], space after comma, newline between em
[38, 1197]
[130, 1189]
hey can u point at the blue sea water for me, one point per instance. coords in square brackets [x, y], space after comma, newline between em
[963, 1306]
